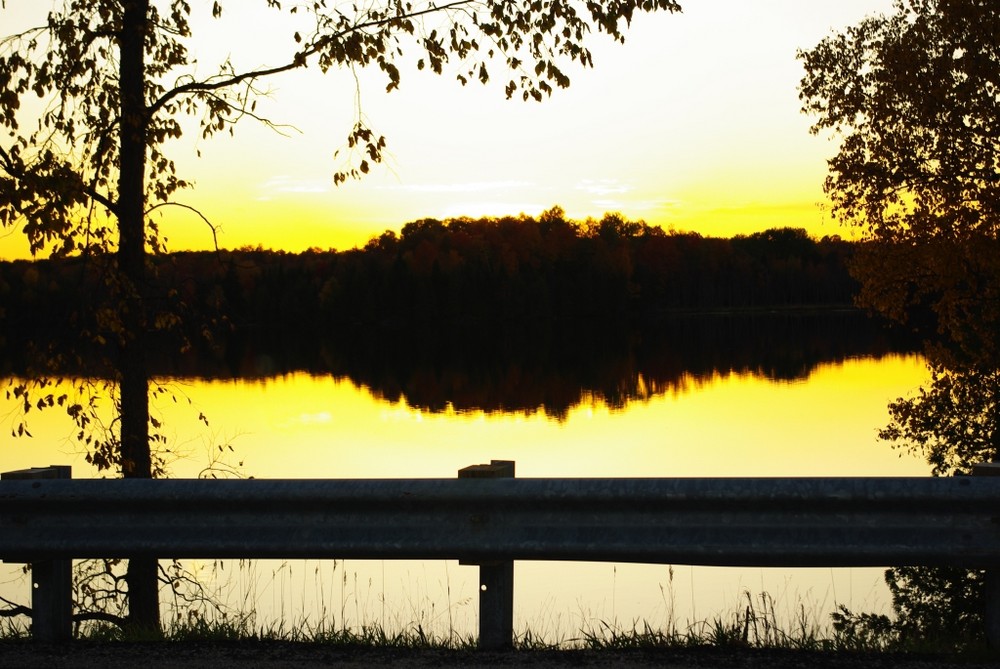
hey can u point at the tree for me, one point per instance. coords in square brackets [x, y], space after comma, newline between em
[915, 97]
[116, 77]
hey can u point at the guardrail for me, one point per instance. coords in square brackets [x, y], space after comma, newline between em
[771, 522]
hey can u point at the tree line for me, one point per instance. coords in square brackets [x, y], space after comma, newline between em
[435, 273]
[513, 268]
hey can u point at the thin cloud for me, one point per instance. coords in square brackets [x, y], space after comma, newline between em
[468, 187]
[603, 187]
[285, 184]
[615, 204]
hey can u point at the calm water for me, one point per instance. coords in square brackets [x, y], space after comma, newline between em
[820, 419]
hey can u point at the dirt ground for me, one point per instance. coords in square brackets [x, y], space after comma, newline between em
[272, 655]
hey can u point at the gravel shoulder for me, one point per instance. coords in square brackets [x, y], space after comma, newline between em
[273, 654]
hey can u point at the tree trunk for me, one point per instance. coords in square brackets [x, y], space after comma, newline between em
[144, 610]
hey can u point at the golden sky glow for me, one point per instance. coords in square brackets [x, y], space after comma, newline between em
[693, 124]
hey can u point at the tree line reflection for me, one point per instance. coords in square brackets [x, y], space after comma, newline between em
[551, 367]
[556, 367]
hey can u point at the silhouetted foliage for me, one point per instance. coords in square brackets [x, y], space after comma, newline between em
[914, 96]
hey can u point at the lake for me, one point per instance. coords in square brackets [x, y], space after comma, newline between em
[717, 405]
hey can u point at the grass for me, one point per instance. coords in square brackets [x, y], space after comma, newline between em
[365, 636]
[751, 628]
[753, 622]
[754, 625]
[368, 636]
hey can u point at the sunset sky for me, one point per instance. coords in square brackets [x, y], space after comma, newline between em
[693, 124]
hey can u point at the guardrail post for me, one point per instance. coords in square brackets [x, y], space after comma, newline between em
[496, 579]
[51, 580]
[991, 598]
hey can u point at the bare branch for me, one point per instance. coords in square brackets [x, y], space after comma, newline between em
[14, 610]
[211, 226]
[9, 39]
[18, 610]
[99, 616]
[298, 60]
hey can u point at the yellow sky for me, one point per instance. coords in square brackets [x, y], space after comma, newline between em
[693, 124]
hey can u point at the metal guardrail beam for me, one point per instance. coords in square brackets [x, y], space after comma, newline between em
[774, 522]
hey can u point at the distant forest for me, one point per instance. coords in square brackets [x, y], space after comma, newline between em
[460, 271]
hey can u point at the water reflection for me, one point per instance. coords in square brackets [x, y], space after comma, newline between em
[552, 367]
[692, 395]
